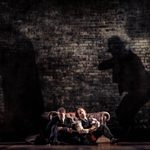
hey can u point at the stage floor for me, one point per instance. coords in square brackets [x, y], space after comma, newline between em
[102, 146]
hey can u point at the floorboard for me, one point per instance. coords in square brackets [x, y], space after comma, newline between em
[102, 146]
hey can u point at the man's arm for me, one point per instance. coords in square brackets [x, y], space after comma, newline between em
[107, 64]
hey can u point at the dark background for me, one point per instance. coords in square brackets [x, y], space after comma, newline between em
[49, 55]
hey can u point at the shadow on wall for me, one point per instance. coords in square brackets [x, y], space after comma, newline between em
[132, 79]
[23, 102]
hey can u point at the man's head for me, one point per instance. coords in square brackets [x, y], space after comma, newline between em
[61, 112]
[115, 45]
[80, 113]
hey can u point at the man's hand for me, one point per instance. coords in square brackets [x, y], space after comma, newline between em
[65, 129]
[92, 129]
[69, 130]
[60, 128]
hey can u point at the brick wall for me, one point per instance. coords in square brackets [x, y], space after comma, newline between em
[69, 37]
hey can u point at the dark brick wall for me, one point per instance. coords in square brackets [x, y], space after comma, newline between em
[68, 38]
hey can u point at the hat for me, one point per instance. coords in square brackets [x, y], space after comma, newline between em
[116, 42]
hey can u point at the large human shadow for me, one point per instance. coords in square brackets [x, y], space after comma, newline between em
[23, 103]
[132, 79]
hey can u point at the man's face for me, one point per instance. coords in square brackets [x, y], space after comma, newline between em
[113, 49]
[81, 113]
[62, 114]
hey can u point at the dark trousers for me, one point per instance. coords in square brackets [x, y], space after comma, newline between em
[103, 130]
[63, 136]
[90, 138]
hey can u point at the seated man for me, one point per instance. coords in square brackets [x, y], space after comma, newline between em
[90, 129]
[60, 129]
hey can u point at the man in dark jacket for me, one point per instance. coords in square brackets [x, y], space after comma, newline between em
[61, 129]
[131, 77]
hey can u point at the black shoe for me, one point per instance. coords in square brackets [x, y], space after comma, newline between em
[113, 141]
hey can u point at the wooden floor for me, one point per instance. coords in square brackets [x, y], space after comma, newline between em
[102, 146]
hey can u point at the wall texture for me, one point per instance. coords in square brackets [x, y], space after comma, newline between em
[69, 40]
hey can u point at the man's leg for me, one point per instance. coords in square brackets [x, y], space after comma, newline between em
[103, 130]
[127, 110]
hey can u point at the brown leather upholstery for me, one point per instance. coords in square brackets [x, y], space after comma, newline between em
[102, 116]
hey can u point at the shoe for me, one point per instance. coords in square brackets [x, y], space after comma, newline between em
[113, 141]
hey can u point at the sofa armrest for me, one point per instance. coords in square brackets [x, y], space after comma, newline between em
[102, 116]
[49, 115]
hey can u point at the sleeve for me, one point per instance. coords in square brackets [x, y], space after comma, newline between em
[80, 128]
[107, 64]
[95, 123]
